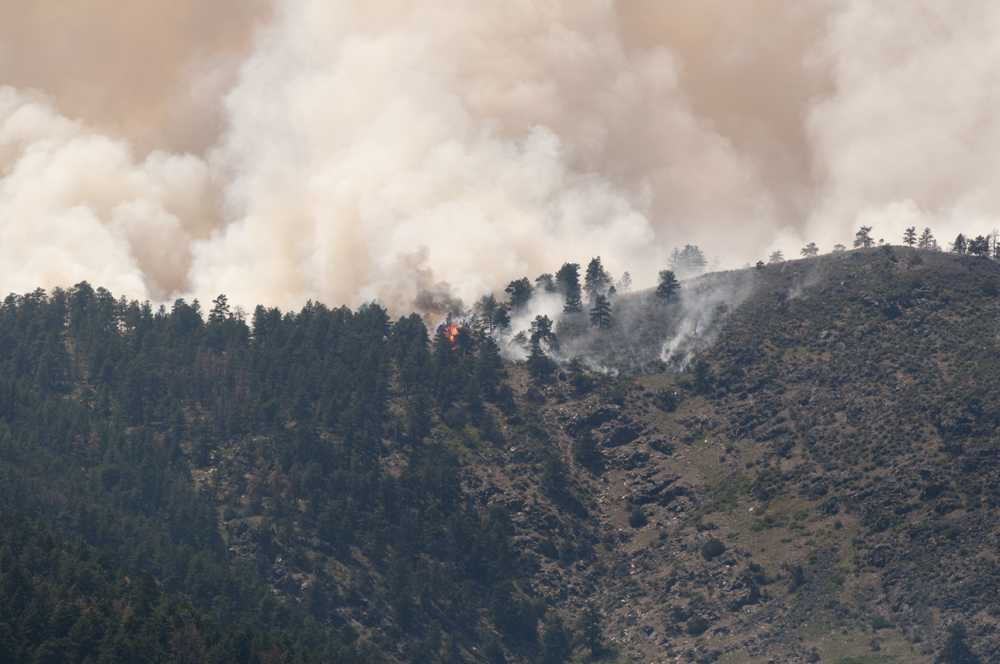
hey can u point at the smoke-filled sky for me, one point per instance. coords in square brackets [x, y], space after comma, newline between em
[345, 150]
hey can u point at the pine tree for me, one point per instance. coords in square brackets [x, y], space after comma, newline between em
[568, 281]
[863, 237]
[546, 283]
[555, 640]
[910, 236]
[810, 250]
[625, 283]
[590, 632]
[600, 313]
[927, 240]
[979, 246]
[489, 368]
[959, 246]
[839, 248]
[540, 366]
[541, 330]
[596, 280]
[776, 257]
[956, 650]
[689, 261]
[519, 293]
[491, 315]
[668, 287]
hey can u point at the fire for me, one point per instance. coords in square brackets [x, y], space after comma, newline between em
[452, 333]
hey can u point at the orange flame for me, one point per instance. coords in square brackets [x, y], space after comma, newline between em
[452, 333]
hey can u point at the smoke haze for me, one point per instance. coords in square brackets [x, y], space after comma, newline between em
[416, 152]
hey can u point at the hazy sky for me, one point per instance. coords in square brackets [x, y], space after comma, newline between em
[344, 151]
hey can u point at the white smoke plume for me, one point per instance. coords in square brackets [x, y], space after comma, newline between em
[416, 152]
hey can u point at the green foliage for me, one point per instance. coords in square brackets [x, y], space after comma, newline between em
[116, 556]
[956, 650]
[568, 283]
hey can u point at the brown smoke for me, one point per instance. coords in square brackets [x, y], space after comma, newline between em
[344, 150]
[150, 71]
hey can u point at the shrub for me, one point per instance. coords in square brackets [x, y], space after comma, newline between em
[713, 548]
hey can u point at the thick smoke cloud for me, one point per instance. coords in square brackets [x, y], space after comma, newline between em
[417, 152]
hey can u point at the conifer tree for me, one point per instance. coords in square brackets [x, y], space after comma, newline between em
[546, 283]
[863, 238]
[519, 293]
[568, 281]
[668, 287]
[927, 240]
[910, 236]
[596, 280]
[810, 250]
[600, 313]
[959, 246]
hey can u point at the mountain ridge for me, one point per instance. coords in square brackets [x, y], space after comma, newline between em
[807, 477]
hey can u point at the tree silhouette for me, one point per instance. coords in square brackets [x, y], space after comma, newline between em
[600, 313]
[668, 287]
[568, 282]
[927, 240]
[863, 237]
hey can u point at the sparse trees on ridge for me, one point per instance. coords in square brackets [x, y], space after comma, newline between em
[979, 246]
[810, 250]
[688, 262]
[839, 248]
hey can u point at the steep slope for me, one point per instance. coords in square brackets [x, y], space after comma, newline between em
[790, 464]
[838, 438]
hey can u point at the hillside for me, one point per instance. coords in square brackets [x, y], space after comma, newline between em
[808, 474]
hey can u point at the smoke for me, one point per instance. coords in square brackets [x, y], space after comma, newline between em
[419, 153]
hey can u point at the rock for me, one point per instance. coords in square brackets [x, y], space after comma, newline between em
[622, 435]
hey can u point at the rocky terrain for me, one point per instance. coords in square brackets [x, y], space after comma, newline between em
[814, 479]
